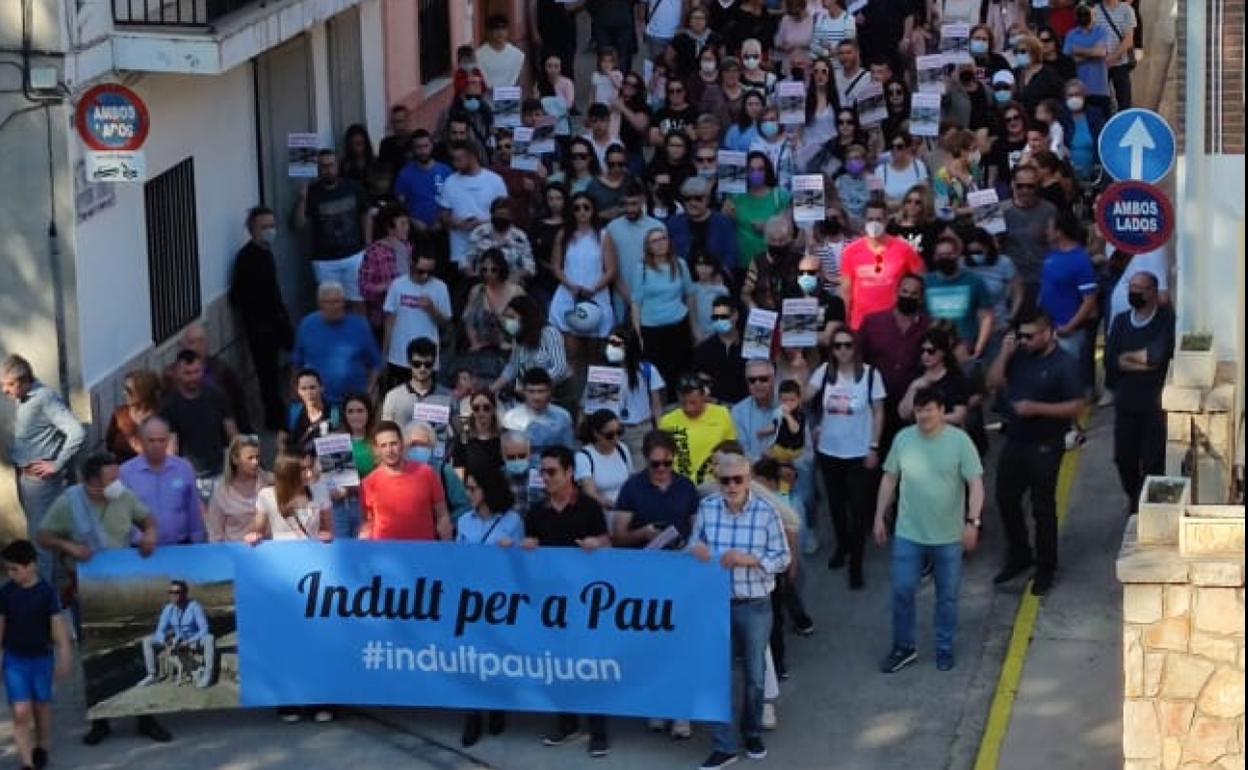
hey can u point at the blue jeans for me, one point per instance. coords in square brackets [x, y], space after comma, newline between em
[347, 517]
[908, 558]
[36, 496]
[751, 628]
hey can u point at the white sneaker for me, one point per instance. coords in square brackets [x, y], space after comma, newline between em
[148, 680]
[323, 716]
[769, 716]
[656, 725]
[1075, 438]
[682, 730]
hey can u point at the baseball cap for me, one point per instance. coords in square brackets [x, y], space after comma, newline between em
[1003, 78]
[689, 382]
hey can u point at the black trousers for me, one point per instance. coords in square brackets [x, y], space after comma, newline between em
[264, 354]
[596, 723]
[851, 489]
[1030, 469]
[1120, 79]
[670, 348]
[1139, 449]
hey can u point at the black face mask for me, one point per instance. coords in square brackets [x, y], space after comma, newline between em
[500, 223]
[1136, 300]
[908, 305]
[833, 227]
[947, 266]
[777, 253]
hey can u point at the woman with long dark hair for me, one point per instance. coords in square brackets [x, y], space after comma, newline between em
[603, 463]
[822, 103]
[357, 154]
[849, 399]
[477, 441]
[581, 167]
[585, 272]
[141, 390]
[941, 371]
[310, 415]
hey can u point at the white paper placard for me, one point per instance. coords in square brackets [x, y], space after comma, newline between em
[925, 114]
[799, 323]
[931, 73]
[731, 172]
[604, 386]
[506, 106]
[336, 460]
[760, 327]
[791, 100]
[809, 202]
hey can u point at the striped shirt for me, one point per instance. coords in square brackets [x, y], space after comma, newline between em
[755, 531]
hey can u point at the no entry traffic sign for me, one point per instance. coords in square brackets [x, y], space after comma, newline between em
[111, 117]
[1135, 216]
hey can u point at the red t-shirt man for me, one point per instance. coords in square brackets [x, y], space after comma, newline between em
[871, 268]
[401, 504]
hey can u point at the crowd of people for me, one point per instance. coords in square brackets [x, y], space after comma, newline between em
[476, 276]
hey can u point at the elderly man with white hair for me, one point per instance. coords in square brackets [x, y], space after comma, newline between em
[338, 345]
[518, 461]
[165, 483]
[422, 446]
[743, 531]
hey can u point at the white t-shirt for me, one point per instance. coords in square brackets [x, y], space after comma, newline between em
[635, 404]
[848, 87]
[1154, 262]
[609, 472]
[501, 68]
[845, 429]
[469, 196]
[898, 182]
[303, 523]
[410, 321]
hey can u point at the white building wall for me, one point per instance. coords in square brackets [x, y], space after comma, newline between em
[213, 120]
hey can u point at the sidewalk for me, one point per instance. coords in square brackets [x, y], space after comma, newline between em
[1067, 713]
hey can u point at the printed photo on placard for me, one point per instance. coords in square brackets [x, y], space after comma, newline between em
[809, 202]
[871, 105]
[760, 328]
[931, 73]
[799, 323]
[988, 214]
[791, 100]
[337, 460]
[925, 114]
[955, 43]
[731, 172]
[438, 414]
[523, 158]
[159, 634]
[603, 388]
[301, 152]
[543, 139]
[506, 106]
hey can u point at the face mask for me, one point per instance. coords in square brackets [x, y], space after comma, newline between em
[1074, 103]
[419, 454]
[1013, 41]
[707, 173]
[979, 47]
[472, 104]
[947, 266]
[468, 66]
[709, 67]
[833, 227]
[1136, 300]
[1002, 95]
[516, 467]
[500, 223]
[615, 354]
[808, 283]
[751, 61]
[1022, 60]
[908, 305]
[756, 178]
[511, 326]
[721, 325]
[268, 234]
[114, 490]
[855, 166]
[874, 229]
[769, 128]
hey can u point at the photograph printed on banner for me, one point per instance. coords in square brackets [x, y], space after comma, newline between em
[159, 634]
[337, 460]
[791, 101]
[542, 141]
[301, 152]
[925, 114]
[931, 73]
[872, 109]
[731, 172]
[760, 328]
[523, 156]
[809, 202]
[437, 412]
[604, 386]
[988, 214]
[799, 322]
[506, 106]
[955, 43]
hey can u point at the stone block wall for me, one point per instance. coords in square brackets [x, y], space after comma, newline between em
[1183, 659]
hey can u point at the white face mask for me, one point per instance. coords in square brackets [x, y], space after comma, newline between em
[511, 326]
[615, 354]
[1074, 103]
[751, 61]
[114, 490]
[874, 230]
[709, 67]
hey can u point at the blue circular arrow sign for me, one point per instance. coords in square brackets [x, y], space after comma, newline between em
[1137, 144]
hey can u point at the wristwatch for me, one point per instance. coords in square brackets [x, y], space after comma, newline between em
[976, 523]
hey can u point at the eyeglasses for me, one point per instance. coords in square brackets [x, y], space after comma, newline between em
[422, 363]
[656, 464]
[731, 481]
[808, 272]
[927, 350]
[842, 346]
[548, 472]
[758, 380]
[483, 407]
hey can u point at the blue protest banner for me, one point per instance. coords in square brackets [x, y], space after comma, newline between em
[627, 633]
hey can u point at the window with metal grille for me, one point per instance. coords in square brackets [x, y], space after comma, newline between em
[172, 250]
[434, 21]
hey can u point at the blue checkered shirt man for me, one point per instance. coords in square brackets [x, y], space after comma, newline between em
[755, 531]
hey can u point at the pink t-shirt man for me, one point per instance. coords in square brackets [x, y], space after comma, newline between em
[871, 271]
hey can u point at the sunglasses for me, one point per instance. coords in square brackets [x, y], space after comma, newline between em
[420, 363]
[927, 350]
[656, 464]
[483, 407]
[721, 317]
[842, 346]
[757, 380]
[731, 481]
[515, 457]
[808, 272]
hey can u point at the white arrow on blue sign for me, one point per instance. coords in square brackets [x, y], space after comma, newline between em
[1137, 144]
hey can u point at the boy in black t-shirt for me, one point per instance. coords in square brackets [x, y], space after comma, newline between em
[30, 622]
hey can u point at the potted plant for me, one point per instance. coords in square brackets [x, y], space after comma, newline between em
[1208, 531]
[1162, 502]
[1194, 363]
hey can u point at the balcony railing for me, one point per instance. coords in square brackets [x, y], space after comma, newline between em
[175, 13]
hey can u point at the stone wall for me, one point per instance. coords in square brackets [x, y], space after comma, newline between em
[1183, 659]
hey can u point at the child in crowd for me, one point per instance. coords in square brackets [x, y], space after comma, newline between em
[709, 285]
[790, 435]
[607, 78]
[30, 624]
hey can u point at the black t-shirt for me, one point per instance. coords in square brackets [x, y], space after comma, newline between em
[477, 452]
[953, 388]
[200, 425]
[582, 518]
[725, 367]
[1005, 155]
[28, 614]
[1048, 379]
[671, 119]
[335, 217]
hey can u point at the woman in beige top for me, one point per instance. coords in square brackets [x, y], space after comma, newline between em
[232, 509]
[296, 507]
